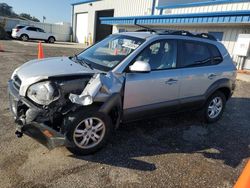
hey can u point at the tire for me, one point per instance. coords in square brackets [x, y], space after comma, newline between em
[51, 40]
[214, 107]
[24, 37]
[78, 134]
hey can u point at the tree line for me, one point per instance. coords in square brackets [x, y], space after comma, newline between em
[7, 11]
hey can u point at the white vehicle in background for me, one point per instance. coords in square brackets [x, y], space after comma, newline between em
[26, 33]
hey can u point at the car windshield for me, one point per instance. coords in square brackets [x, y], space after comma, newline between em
[108, 53]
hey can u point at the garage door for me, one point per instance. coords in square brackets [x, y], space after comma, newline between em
[81, 27]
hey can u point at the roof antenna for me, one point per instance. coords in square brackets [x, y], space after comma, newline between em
[145, 28]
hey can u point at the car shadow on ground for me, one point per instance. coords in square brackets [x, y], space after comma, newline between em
[227, 140]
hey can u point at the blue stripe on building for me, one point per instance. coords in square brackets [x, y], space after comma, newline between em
[228, 17]
[203, 3]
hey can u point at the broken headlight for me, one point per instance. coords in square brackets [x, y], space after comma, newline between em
[43, 93]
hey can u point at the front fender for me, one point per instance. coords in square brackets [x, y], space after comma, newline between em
[113, 102]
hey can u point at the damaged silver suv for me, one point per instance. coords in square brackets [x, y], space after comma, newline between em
[78, 101]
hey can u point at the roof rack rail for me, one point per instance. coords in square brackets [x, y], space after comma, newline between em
[177, 32]
[187, 33]
[144, 29]
[207, 36]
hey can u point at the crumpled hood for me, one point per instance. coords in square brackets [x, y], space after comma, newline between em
[57, 66]
[37, 70]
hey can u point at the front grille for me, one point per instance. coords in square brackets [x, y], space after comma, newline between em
[17, 82]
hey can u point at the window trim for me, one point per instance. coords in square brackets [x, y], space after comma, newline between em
[126, 70]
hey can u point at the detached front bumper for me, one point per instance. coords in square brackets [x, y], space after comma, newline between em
[41, 132]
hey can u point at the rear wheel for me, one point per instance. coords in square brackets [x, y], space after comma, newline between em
[214, 107]
[88, 131]
[24, 37]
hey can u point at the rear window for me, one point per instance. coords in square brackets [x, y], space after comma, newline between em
[20, 27]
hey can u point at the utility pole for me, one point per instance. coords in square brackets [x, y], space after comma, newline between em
[44, 18]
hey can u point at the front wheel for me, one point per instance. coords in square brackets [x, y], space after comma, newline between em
[51, 40]
[88, 132]
[214, 107]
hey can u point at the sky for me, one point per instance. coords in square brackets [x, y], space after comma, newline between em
[53, 10]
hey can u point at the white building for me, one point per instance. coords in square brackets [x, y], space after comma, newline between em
[225, 19]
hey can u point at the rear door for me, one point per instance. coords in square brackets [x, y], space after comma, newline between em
[151, 93]
[199, 69]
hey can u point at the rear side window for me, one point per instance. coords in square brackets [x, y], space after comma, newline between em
[195, 54]
[216, 55]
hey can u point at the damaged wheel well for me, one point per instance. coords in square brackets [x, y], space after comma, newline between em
[111, 108]
[114, 114]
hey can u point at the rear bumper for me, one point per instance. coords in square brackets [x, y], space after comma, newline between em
[41, 132]
[15, 35]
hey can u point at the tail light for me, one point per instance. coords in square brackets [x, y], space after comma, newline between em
[17, 30]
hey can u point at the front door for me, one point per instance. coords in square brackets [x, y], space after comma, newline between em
[150, 93]
[41, 34]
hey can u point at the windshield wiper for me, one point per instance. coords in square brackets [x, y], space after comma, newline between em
[86, 63]
[82, 62]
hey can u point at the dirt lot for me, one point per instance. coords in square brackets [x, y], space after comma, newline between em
[178, 151]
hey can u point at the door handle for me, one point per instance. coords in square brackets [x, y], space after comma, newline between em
[211, 76]
[171, 81]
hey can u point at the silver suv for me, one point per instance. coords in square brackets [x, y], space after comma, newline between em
[78, 101]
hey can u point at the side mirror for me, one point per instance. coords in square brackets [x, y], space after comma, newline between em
[140, 66]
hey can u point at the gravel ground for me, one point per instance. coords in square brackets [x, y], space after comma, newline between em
[175, 151]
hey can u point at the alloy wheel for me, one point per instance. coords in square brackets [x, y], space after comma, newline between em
[24, 38]
[215, 107]
[89, 133]
[51, 40]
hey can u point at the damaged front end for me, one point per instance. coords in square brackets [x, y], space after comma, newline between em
[44, 121]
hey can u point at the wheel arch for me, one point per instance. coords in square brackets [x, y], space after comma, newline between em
[112, 108]
[24, 34]
[51, 36]
[223, 85]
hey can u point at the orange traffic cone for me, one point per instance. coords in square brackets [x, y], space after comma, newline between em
[1, 48]
[40, 51]
[244, 179]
